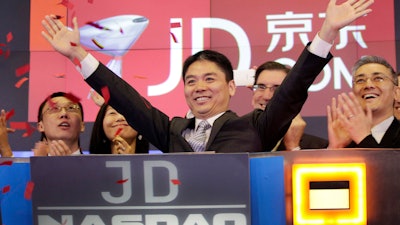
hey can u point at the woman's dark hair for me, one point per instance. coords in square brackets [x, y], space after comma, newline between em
[54, 95]
[100, 144]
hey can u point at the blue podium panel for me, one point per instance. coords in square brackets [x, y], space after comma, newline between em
[141, 189]
[15, 202]
[267, 191]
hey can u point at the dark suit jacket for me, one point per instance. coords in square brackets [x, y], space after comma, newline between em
[230, 133]
[308, 141]
[391, 138]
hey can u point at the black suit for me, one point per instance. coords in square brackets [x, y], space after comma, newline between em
[308, 141]
[230, 133]
[391, 138]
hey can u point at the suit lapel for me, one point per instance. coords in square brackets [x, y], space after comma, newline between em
[218, 123]
[391, 134]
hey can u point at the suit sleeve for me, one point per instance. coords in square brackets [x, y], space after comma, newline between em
[272, 124]
[139, 113]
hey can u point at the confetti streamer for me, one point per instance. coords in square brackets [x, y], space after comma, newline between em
[173, 37]
[28, 190]
[21, 82]
[97, 26]
[10, 114]
[6, 189]
[67, 4]
[122, 181]
[97, 43]
[106, 94]
[7, 54]
[72, 97]
[118, 132]
[140, 77]
[59, 75]
[22, 70]
[175, 25]
[77, 63]
[6, 163]
[29, 130]
[23, 126]
[176, 182]
[57, 17]
[51, 102]
[9, 37]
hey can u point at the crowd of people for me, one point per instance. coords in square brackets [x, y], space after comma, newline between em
[126, 124]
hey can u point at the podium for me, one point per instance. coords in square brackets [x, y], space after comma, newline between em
[353, 186]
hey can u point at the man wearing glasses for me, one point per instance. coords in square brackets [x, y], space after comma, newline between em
[365, 118]
[268, 77]
[60, 121]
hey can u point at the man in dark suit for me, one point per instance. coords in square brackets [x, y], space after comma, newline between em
[208, 86]
[267, 79]
[365, 118]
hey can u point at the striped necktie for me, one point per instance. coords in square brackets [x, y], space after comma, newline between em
[198, 140]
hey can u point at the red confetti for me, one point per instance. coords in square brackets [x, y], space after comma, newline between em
[28, 190]
[97, 26]
[175, 25]
[67, 4]
[60, 75]
[173, 37]
[7, 54]
[72, 97]
[9, 37]
[77, 62]
[22, 126]
[97, 43]
[22, 70]
[90, 1]
[2, 45]
[6, 189]
[120, 30]
[57, 17]
[122, 181]
[1, 51]
[176, 182]
[20, 82]
[106, 94]
[73, 44]
[10, 114]
[118, 132]
[51, 102]
[140, 77]
[6, 163]
[29, 130]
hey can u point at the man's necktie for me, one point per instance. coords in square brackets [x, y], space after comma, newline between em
[198, 139]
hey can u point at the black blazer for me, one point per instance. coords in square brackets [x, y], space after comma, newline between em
[391, 138]
[308, 141]
[254, 132]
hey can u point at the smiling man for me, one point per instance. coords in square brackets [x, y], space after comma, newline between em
[365, 117]
[208, 87]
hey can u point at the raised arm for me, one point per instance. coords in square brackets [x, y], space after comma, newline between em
[339, 16]
[64, 40]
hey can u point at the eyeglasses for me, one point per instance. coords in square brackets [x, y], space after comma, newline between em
[375, 79]
[73, 108]
[262, 87]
